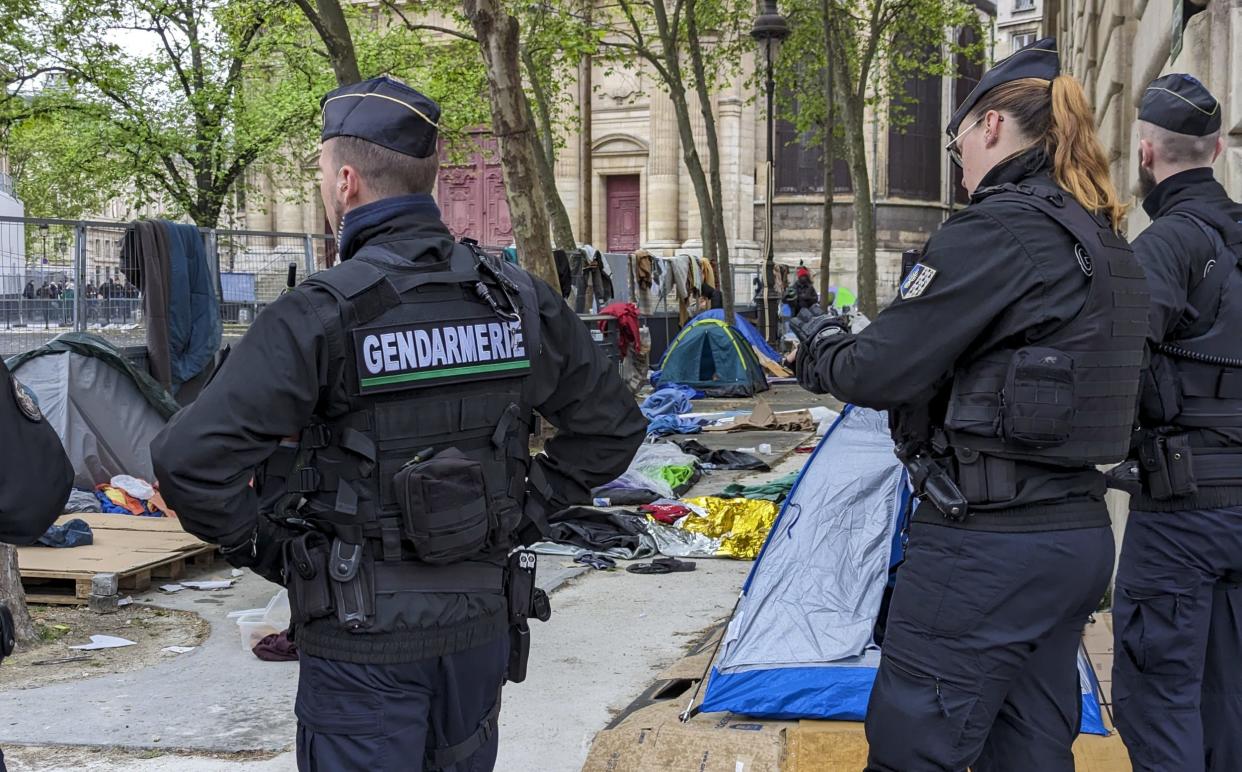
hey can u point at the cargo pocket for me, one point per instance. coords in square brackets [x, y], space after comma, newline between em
[1156, 633]
[338, 730]
[1039, 398]
[906, 703]
[950, 581]
[444, 507]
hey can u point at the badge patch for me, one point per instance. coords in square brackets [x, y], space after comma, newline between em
[26, 401]
[916, 281]
[458, 351]
[1084, 260]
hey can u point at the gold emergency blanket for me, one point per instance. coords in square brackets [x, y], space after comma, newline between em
[742, 525]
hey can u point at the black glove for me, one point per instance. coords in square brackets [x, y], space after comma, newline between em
[262, 551]
[814, 332]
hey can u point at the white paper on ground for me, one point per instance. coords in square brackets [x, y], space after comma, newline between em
[103, 642]
[172, 587]
[178, 649]
[215, 584]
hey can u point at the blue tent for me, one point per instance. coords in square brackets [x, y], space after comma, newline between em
[712, 357]
[747, 330]
[800, 644]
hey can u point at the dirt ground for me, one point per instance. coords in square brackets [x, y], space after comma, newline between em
[22, 758]
[59, 627]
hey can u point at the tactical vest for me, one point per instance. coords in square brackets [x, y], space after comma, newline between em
[1205, 348]
[1067, 398]
[420, 480]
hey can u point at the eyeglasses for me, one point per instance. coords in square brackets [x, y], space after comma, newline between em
[955, 153]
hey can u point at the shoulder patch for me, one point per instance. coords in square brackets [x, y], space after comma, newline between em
[916, 281]
[27, 403]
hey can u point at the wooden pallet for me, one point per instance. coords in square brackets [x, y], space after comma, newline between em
[136, 549]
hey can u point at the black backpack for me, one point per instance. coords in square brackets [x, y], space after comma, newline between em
[35, 474]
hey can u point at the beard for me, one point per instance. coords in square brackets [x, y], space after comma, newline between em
[1146, 181]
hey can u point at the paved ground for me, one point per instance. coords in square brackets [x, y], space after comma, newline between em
[219, 708]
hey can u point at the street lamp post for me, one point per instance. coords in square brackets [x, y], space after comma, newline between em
[770, 31]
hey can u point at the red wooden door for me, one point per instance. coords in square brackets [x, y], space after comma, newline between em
[472, 196]
[623, 213]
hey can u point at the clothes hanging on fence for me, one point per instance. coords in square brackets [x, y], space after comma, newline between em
[627, 323]
[680, 266]
[709, 273]
[644, 268]
[144, 261]
[696, 274]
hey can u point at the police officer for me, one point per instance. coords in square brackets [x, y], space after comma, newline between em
[35, 479]
[1009, 363]
[410, 371]
[1177, 608]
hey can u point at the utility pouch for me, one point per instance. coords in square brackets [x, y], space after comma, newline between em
[306, 571]
[443, 503]
[1038, 409]
[1167, 466]
[353, 584]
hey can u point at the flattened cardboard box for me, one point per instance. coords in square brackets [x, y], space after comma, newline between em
[653, 739]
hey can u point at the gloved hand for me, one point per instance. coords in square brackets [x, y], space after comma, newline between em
[262, 551]
[814, 331]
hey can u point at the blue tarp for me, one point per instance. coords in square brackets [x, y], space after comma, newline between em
[748, 331]
[800, 643]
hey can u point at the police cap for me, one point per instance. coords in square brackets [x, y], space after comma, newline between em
[1181, 104]
[384, 111]
[1038, 60]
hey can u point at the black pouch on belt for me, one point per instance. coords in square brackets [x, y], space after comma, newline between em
[306, 567]
[443, 504]
[1167, 466]
[353, 584]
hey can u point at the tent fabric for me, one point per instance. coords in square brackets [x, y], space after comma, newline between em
[714, 358]
[105, 411]
[800, 643]
[747, 330]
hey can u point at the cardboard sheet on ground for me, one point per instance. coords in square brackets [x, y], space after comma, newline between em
[763, 418]
[122, 543]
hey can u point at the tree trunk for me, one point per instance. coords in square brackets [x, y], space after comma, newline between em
[721, 245]
[12, 594]
[329, 21]
[497, 33]
[562, 228]
[864, 219]
[830, 159]
[694, 167]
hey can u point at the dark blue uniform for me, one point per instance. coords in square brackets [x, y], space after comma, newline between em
[1011, 547]
[1177, 610]
[410, 371]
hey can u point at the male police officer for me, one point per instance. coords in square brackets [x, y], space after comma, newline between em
[35, 479]
[1178, 607]
[411, 371]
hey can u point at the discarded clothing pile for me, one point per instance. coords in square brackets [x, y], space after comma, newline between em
[74, 533]
[663, 409]
[276, 647]
[659, 470]
[613, 534]
[774, 490]
[723, 459]
[168, 263]
[126, 495]
[663, 511]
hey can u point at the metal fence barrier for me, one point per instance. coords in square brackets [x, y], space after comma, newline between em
[58, 276]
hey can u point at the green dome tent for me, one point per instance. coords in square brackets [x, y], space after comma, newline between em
[714, 358]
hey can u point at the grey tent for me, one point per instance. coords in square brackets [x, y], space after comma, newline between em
[105, 410]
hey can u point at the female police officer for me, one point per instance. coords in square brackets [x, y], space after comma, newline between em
[1009, 364]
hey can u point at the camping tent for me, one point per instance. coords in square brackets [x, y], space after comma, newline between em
[105, 410]
[800, 644]
[714, 358]
[746, 329]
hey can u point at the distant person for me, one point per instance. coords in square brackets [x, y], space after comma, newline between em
[29, 292]
[44, 291]
[91, 292]
[710, 297]
[802, 294]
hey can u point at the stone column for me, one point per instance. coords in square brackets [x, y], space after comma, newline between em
[663, 176]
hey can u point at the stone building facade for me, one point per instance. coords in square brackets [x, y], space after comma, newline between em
[1117, 47]
[1018, 24]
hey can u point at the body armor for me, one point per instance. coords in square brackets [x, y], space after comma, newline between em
[418, 484]
[1066, 398]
